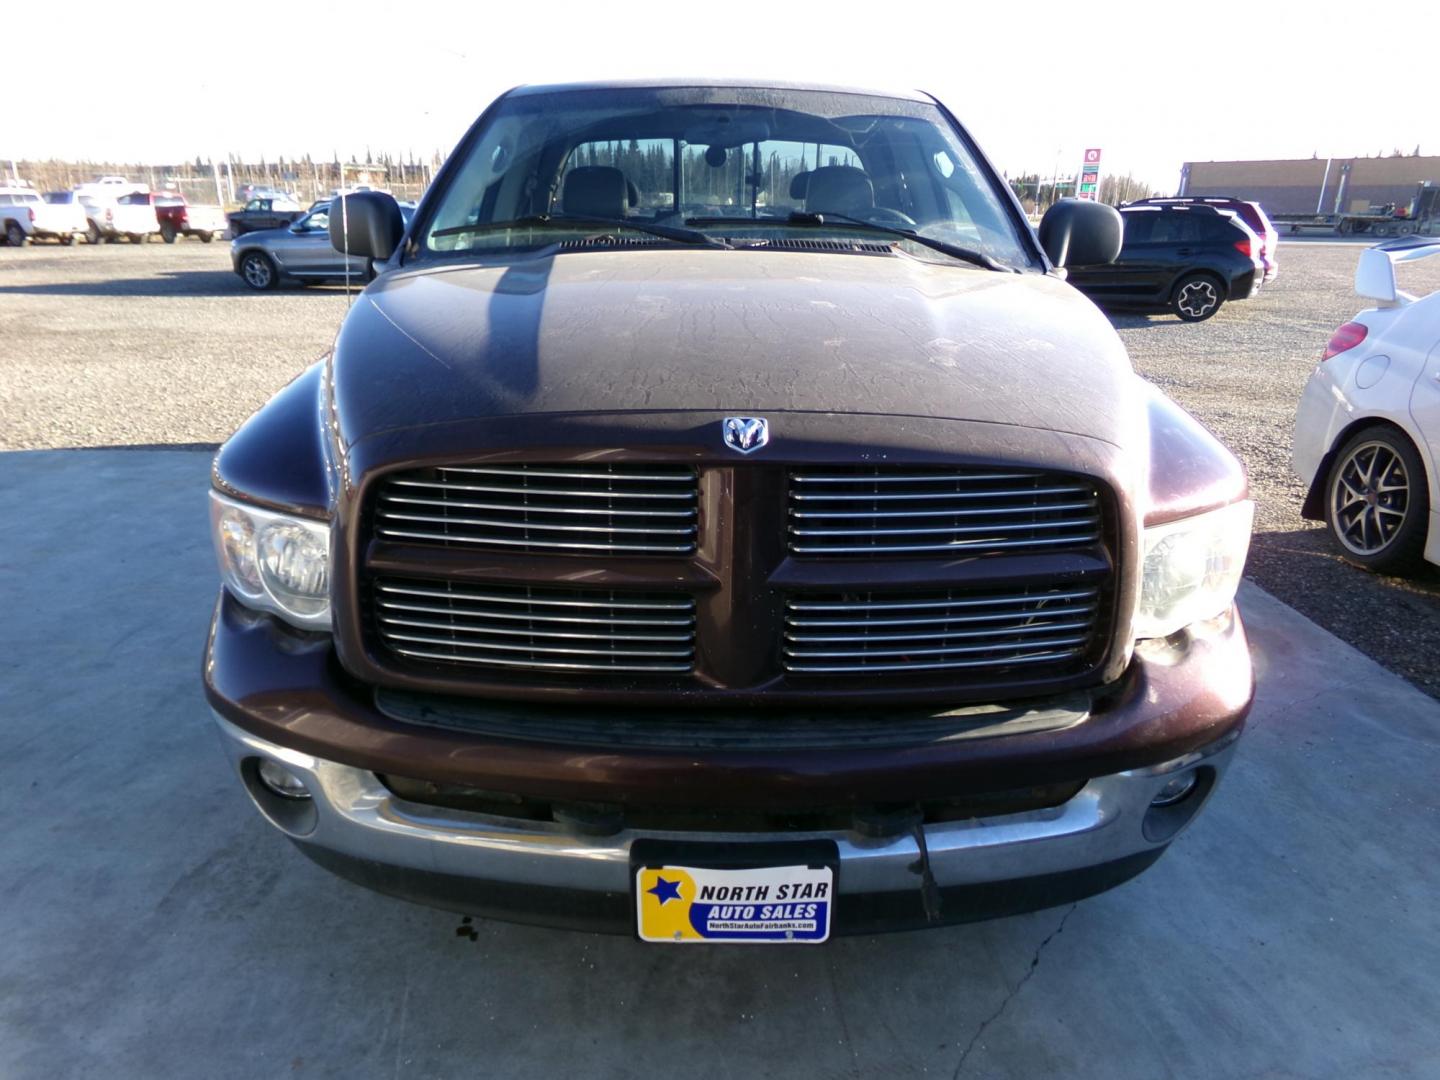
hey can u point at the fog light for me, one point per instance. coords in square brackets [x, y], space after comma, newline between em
[1175, 789]
[281, 780]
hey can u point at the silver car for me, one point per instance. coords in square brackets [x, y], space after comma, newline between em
[301, 252]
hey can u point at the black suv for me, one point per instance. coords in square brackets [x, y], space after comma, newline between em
[1185, 259]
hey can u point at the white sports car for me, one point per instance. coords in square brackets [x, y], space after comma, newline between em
[1367, 433]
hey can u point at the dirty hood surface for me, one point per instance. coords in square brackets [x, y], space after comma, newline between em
[732, 332]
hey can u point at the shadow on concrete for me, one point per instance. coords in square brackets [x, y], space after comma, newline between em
[169, 283]
[207, 447]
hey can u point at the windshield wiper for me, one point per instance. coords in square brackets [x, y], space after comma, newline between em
[668, 232]
[805, 217]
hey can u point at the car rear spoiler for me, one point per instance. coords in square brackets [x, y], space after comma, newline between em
[1375, 273]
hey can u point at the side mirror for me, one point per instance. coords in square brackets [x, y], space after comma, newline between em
[1078, 232]
[366, 224]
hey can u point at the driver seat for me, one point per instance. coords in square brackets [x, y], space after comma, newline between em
[841, 189]
[595, 191]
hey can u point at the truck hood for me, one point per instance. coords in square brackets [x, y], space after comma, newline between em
[728, 332]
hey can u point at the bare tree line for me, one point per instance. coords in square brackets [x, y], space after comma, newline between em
[1039, 193]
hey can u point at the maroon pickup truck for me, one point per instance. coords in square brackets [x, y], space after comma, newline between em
[178, 218]
[719, 520]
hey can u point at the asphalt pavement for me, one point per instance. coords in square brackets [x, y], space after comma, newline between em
[151, 925]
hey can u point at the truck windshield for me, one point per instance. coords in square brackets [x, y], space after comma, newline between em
[734, 162]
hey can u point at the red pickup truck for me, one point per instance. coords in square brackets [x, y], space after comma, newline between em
[179, 218]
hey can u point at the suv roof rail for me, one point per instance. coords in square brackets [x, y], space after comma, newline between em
[1189, 208]
[1157, 199]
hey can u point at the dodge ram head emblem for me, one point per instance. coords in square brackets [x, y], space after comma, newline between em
[746, 433]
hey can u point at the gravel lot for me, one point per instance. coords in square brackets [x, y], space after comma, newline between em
[163, 345]
[1241, 373]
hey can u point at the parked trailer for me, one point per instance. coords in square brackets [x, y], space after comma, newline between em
[1421, 215]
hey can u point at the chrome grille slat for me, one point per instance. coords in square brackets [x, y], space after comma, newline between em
[563, 509]
[1064, 523]
[961, 601]
[870, 669]
[494, 523]
[914, 477]
[885, 510]
[567, 635]
[566, 650]
[927, 650]
[538, 470]
[531, 508]
[932, 620]
[981, 511]
[391, 605]
[410, 534]
[502, 598]
[890, 496]
[648, 669]
[555, 629]
[574, 493]
[964, 545]
[944, 635]
[929, 632]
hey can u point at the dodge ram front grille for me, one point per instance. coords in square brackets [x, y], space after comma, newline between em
[708, 579]
[579, 509]
[1035, 629]
[556, 630]
[884, 511]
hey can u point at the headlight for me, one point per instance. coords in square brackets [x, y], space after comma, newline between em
[1192, 569]
[274, 562]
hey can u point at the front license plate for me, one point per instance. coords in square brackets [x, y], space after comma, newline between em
[679, 904]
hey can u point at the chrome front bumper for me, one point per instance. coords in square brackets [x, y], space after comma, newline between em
[355, 825]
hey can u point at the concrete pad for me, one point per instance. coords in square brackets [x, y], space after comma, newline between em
[152, 925]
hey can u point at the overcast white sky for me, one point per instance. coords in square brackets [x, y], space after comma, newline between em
[1153, 84]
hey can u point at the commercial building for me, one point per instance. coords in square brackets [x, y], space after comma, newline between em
[1313, 185]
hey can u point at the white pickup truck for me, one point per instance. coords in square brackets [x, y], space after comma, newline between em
[25, 216]
[129, 215]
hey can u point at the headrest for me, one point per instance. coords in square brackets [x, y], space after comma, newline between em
[595, 191]
[799, 183]
[839, 188]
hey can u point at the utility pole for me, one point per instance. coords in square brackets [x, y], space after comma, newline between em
[1320, 200]
[1054, 179]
